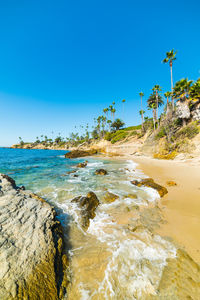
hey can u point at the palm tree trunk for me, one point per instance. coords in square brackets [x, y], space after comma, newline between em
[172, 87]
[142, 113]
[154, 120]
[157, 106]
[184, 122]
[167, 105]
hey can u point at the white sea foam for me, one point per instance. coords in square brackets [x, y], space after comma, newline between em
[95, 164]
[138, 262]
[138, 258]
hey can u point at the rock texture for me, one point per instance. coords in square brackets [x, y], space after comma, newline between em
[32, 260]
[100, 172]
[109, 197]
[82, 165]
[182, 110]
[80, 153]
[88, 206]
[149, 182]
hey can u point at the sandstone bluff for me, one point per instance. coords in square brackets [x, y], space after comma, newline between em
[32, 260]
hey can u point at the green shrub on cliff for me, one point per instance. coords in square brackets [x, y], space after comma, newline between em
[119, 137]
[189, 131]
[161, 133]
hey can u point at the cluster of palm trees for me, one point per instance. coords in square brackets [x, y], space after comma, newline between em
[184, 91]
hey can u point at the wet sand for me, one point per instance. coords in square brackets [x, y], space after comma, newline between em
[181, 206]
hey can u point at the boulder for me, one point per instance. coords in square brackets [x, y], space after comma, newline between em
[33, 264]
[80, 153]
[109, 197]
[88, 206]
[82, 165]
[100, 172]
[149, 182]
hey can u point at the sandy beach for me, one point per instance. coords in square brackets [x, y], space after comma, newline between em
[181, 206]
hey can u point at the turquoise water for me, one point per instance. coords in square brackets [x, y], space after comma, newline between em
[109, 260]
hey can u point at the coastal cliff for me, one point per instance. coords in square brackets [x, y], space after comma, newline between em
[33, 263]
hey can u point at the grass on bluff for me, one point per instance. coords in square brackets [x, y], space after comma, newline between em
[122, 134]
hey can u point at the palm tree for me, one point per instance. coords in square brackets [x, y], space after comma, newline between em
[105, 110]
[153, 102]
[123, 101]
[167, 95]
[141, 95]
[170, 57]
[194, 91]
[113, 113]
[110, 109]
[109, 124]
[152, 106]
[142, 112]
[157, 89]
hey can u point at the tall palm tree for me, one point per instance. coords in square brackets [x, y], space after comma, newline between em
[141, 95]
[113, 113]
[167, 95]
[157, 88]
[170, 58]
[123, 102]
[105, 110]
[152, 106]
[153, 102]
[142, 112]
[110, 109]
[109, 122]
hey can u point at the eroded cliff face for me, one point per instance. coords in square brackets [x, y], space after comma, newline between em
[32, 260]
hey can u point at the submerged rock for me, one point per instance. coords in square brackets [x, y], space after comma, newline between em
[70, 172]
[80, 153]
[33, 264]
[131, 196]
[88, 205]
[100, 172]
[109, 197]
[82, 165]
[149, 182]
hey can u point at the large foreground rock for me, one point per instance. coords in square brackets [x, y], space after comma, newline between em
[32, 262]
[80, 153]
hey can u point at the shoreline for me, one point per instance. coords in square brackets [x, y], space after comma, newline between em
[181, 206]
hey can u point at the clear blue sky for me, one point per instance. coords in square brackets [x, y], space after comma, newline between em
[62, 62]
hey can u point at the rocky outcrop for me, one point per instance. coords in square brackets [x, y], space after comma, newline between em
[196, 112]
[88, 206]
[100, 172]
[182, 110]
[149, 182]
[80, 153]
[32, 260]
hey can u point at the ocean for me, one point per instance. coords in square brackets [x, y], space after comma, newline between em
[118, 256]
